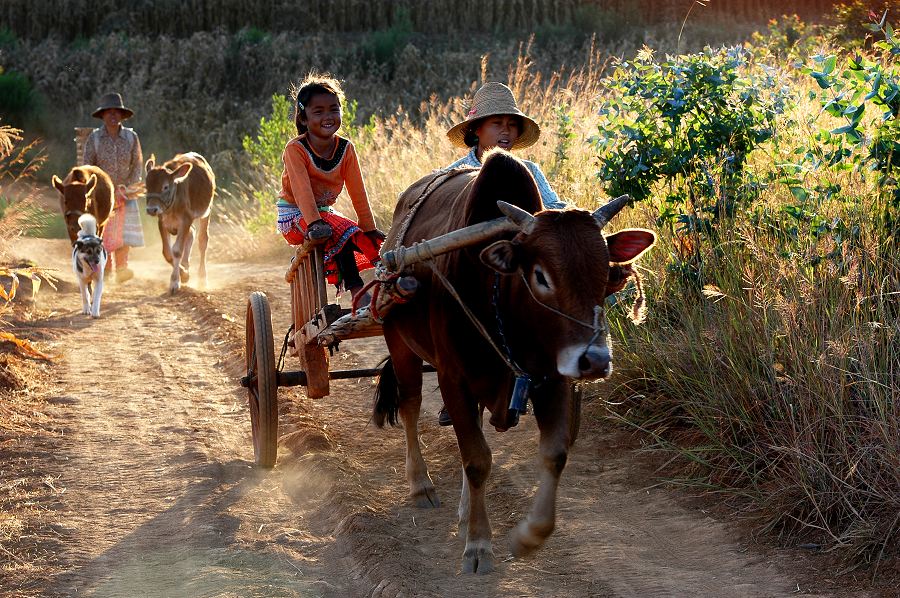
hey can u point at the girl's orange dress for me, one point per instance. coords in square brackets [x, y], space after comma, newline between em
[311, 184]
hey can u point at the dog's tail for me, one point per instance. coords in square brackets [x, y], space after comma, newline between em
[88, 225]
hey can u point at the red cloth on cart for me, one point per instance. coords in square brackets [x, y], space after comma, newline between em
[343, 230]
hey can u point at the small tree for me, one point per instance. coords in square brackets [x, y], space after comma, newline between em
[690, 121]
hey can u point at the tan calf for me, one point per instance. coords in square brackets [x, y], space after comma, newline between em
[85, 190]
[178, 193]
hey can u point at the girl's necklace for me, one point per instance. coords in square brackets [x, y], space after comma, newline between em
[328, 150]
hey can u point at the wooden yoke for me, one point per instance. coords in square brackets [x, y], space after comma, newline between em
[402, 257]
[308, 302]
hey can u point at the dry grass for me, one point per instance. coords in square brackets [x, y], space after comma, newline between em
[28, 540]
[19, 162]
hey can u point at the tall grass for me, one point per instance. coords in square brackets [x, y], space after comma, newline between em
[779, 381]
[19, 162]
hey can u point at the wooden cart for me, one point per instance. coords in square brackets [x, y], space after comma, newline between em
[319, 326]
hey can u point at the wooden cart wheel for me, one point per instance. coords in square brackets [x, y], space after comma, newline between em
[263, 385]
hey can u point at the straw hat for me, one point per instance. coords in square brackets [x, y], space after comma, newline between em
[495, 98]
[110, 101]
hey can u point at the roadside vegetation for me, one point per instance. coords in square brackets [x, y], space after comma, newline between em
[769, 366]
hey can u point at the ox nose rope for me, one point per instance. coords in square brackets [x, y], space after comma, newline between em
[478, 325]
[599, 311]
[518, 403]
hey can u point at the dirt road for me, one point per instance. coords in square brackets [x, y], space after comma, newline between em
[156, 494]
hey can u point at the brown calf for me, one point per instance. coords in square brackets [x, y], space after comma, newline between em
[85, 190]
[540, 297]
[179, 192]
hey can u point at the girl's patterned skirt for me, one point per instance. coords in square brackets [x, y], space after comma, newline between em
[292, 226]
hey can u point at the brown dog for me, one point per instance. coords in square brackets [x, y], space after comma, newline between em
[85, 190]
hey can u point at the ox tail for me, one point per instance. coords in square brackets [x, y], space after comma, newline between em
[88, 225]
[387, 396]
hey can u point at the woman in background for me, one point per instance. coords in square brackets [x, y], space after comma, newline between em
[117, 150]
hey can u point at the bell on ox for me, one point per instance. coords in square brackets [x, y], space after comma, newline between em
[518, 403]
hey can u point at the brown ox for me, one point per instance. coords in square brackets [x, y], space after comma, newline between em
[85, 190]
[179, 192]
[550, 282]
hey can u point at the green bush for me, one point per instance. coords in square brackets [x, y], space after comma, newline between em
[865, 143]
[272, 134]
[18, 99]
[8, 39]
[382, 47]
[691, 121]
[849, 29]
[788, 38]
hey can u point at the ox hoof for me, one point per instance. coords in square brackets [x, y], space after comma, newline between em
[523, 542]
[95, 316]
[426, 498]
[173, 288]
[478, 558]
[184, 275]
[85, 312]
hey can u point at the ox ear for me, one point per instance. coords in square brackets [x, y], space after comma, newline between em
[181, 173]
[500, 256]
[89, 186]
[629, 244]
[148, 166]
[58, 184]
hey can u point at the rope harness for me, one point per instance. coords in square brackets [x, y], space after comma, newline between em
[439, 179]
[167, 200]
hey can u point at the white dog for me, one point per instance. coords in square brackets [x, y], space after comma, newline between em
[88, 263]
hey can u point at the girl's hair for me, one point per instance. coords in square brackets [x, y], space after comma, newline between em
[312, 85]
[471, 138]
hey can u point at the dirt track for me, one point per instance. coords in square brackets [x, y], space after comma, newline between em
[157, 495]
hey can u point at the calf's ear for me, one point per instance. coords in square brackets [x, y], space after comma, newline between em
[625, 246]
[58, 184]
[182, 172]
[150, 163]
[500, 256]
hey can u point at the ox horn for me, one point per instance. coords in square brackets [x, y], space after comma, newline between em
[519, 217]
[604, 214]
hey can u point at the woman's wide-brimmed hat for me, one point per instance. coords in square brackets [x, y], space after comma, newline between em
[492, 99]
[109, 101]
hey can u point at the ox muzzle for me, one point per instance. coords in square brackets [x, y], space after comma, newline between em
[585, 361]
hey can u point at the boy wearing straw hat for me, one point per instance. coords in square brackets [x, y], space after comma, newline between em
[494, 120]
[117, 150]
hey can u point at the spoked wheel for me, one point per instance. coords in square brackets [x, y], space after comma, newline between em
[263, 384]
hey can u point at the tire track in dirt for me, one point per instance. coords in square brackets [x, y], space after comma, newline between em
[161, 498]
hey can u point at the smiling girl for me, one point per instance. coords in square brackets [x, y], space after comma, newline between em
[317, 165]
